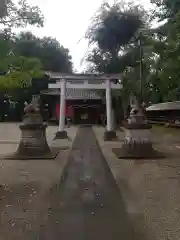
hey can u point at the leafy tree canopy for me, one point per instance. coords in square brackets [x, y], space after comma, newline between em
[25, 56]
[53, 56]
[166, 9]
[20, 14]
[115, 34]
[160, 49]
[114, 26]
[17, 70]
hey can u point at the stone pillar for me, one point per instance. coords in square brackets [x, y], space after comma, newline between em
[61, 134]
[108, 106]
[109, 134]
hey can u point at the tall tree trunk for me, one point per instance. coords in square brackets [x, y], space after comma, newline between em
[125, 109]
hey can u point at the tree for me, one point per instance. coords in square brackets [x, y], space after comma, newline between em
[114, 26]
[53, 56]
[103, 62]
[168, 50]
[165, 9]
[113, 31]
[25, 56]
[18, 72]
[160, 47]
[20, 14]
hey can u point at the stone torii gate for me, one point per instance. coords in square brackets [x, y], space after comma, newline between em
[83, 81]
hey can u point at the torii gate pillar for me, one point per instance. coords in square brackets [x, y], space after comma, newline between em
[61, 133]
[110, 133]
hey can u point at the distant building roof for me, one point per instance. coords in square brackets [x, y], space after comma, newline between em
[75, 94]
[164, 106]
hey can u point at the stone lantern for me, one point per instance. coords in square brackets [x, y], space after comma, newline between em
[137, 141]
[33, 133]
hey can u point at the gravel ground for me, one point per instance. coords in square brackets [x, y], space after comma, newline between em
[33, 206]
[24, 185]
[150, 188]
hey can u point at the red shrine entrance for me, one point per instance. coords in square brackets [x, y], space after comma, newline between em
[81, 98]
[69, 110]
[80, 111]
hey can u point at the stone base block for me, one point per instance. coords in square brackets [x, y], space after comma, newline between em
[137, 144]
[34, 149]
[110, 135]
[137, 151]
[23, 156]
[61, 135]
[33, 140]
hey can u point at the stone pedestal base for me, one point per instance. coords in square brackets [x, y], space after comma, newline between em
[137, 150]
[137, 144]
[137, 140]
[110, 135]
[126, 153]
[61, 135]
[33, 140]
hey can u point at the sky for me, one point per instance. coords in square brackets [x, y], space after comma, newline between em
[67, 21]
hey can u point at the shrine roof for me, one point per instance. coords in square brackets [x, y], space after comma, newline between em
[164, 106]
[75, 94]
[80, 76]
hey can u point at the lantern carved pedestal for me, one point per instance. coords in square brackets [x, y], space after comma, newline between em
[137, 141]
[33, 141]
[33, 136]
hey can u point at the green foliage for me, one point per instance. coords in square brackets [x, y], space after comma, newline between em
[104, 62]
[166, 9]
[53, 56]
[114, 26]
[167, 48]
[21, 14]
[160, 46]
[24, 56]
[115, 31]
[18, 72]
[4, 48]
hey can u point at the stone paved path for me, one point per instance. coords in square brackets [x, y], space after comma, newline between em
[87, 203]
